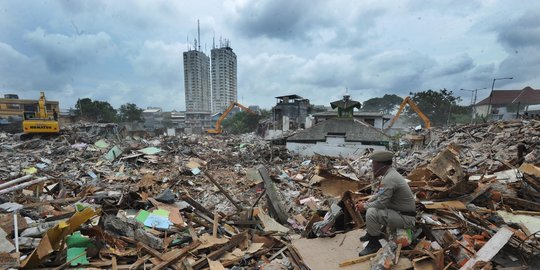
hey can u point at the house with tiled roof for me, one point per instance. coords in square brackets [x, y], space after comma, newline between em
[343, 135]
[507, 104]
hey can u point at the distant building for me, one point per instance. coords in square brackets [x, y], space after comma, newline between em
[197, 81]
[339, 135]
[177, 119]
[153, 118]
[291, 112]
[255, 108]
[198, 122]
[506, 104]
[12, 108]
[224, 78]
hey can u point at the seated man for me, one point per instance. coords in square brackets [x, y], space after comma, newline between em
[393, 204]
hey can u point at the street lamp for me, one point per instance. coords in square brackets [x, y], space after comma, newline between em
[491, 94]
[473, 99]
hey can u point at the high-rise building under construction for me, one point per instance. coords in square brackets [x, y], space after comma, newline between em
[197, 81]
[224, 78]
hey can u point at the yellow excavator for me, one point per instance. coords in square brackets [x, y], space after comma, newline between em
[39, 121]
[409, 101]
[217, 129]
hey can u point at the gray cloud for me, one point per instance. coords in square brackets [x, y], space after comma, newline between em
[160, 62]
[22, 74]
[521, 39]
[281, 19]
[459, 64]
[520, 33]
[62, 52]
[445, 6]
[82, 6]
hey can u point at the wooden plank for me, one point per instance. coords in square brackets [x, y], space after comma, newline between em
[114, 265]
[176, 256]
[234, 242]
[349, 205]
[196, 205]
[140, 262]
[211, 178]
[398, 252]
[490, 249]
[445, 205]
[357, 260]
[273, 196]
[215, 226]
[517, 202]
[150, 250]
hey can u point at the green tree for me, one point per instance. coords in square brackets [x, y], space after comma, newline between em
[386, 104]
[436, 105]
[129, 112]
[241, 122]
[99, 111]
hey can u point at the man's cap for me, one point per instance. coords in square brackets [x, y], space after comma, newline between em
[382, 155]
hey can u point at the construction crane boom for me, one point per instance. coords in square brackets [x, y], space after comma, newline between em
[217, 129]
[411, 103]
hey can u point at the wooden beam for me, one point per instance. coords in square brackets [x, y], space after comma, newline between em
[140, 262]
[521, 203]
[490, 249]
[349, 205]
[196, 205]
[211, 178]
[150, 250]
[273, 197]
[233, 242]
[215, 226]
[357, 260]
[176, 256]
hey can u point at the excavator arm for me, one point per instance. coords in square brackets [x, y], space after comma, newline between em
[218, 129]
[411, 103]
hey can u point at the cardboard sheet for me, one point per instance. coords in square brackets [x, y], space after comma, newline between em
[327, 253]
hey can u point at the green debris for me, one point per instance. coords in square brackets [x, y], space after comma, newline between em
[114, 153]
[150, 150]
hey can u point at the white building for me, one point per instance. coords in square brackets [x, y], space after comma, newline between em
[224, 78]
[197, 81]
[153, 118]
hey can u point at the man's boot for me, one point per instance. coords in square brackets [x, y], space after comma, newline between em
[373, 246]
[368, 237]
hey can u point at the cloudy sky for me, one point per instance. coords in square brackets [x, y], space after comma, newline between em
[131, 51]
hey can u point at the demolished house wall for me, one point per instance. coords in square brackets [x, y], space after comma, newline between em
[332, 147]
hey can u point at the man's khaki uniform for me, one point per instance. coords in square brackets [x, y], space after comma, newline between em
[393, 205]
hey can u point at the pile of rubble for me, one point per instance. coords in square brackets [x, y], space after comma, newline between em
[95, 197]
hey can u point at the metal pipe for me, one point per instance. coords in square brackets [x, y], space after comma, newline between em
[16, 181]
[16, 232]
[22, 186]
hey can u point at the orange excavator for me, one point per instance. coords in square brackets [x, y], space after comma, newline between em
[409, 101]
[217, 129]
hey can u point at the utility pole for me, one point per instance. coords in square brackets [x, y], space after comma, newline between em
[474, 92]
[491, 94]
